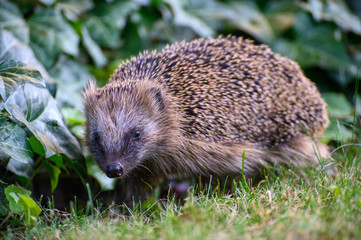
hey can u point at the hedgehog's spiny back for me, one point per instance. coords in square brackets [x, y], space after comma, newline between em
[229, 90]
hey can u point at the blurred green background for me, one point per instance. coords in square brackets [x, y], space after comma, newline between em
[72, 41]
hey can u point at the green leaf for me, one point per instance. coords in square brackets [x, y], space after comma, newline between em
[12, 49]
[21, 202]
[94, 171]
[13, 141]
[315, 45]
[71, 78]
[12, 194]
[250, 19]
[47, 2]
[58, 160]
[41, 116]
[36, 146]
[12, 19]
[14, 75]
[336, 131]
[54, 173]
[21, 169]
[243, 15]
[78, 131]
[31, 209]
[78, 166]
[93, 49]
[74, 9]
[107, 20]
[338, 106]
[281, 16]
[73, 116]
[335, 11]
[184, 18]
[51, 34]
[320, 39]
[30, 103]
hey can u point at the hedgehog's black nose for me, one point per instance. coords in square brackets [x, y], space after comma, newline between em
[114, 170]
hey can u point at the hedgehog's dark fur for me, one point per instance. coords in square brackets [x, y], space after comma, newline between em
[197, 106]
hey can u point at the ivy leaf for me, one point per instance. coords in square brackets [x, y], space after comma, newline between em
[244, 15]
[337, 131]
[31, 209]
[335, 11]
[51, 34]
[78, 165]
[14, 75]
[12, 49]
[71, 78]
[37, 109]
[78, 131]
[319, 42]
[21, 202]
[54, 173]
[249, 18]
[12, 19]
[338, 105]
[73, 9]
[13, 141]
[315, 45]
[106, 21]
[94, 171]
[12, 194]
[93, 49]
[47, 2]
[184, 18]
[73, 116]
[30, 103]
[21, 169]
[338, 108]
[58, 160]
[36, 146]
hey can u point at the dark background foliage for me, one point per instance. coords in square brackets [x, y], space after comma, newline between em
[49, 49]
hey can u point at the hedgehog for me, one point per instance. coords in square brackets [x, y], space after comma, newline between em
[209, 107]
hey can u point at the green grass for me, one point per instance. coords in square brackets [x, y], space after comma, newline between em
[318, 205]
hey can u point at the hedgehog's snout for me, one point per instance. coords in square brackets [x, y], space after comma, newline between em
[114, 170]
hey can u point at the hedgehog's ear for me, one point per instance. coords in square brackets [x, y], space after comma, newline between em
[157, 96]
[89, 93]
[90, 89]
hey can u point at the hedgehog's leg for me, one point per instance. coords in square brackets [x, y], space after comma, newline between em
[198, 158]
[132, 189]
[300, 152]
[194, 158]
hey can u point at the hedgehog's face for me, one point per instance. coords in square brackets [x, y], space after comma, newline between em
[123, 125]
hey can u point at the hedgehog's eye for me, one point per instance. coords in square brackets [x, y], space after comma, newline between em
[96, 138]
[136, 135]
[96, 142]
